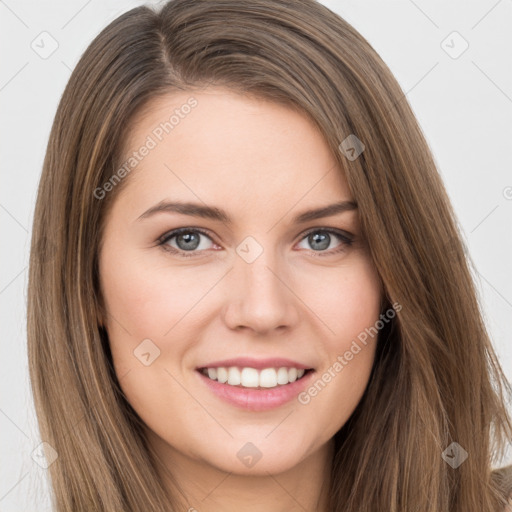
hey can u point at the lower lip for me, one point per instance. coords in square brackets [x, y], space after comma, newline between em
[252, 399]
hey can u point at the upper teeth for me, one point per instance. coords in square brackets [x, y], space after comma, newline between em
[252, 378]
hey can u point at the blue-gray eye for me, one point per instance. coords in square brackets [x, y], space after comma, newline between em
[320, 239]
[188, 241]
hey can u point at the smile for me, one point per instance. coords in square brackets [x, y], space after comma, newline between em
[252, 378]
[272, 384]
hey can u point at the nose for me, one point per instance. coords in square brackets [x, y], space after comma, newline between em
[260, 296]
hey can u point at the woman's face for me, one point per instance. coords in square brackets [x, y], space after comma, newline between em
[255, 289]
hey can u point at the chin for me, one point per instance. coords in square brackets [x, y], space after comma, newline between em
[258, 458]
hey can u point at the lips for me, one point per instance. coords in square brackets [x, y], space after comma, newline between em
[256, 384]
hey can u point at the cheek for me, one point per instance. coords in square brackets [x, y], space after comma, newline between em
[153, 309]
[358, 312]
[145, 299]
[147, 318]
[350, 307]
[347, 302]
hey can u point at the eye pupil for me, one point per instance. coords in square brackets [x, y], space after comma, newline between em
[322, 239]
[191, 240]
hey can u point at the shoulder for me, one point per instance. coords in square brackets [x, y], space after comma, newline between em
[503, 479]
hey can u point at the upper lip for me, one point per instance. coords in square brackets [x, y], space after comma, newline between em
[258, 364]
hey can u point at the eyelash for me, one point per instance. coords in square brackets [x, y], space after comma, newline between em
[162, 241]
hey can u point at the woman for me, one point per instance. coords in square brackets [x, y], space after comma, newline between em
[247, 286]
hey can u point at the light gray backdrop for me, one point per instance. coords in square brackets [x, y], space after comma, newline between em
[453, 61]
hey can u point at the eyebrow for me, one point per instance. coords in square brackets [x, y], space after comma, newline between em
[214, 213]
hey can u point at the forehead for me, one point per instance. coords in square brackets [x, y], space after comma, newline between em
[222, 147]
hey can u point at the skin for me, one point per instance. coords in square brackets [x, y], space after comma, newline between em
[263, 163]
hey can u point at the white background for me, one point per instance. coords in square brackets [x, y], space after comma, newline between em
[464, 106]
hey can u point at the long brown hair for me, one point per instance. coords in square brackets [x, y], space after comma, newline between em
[436, 379]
